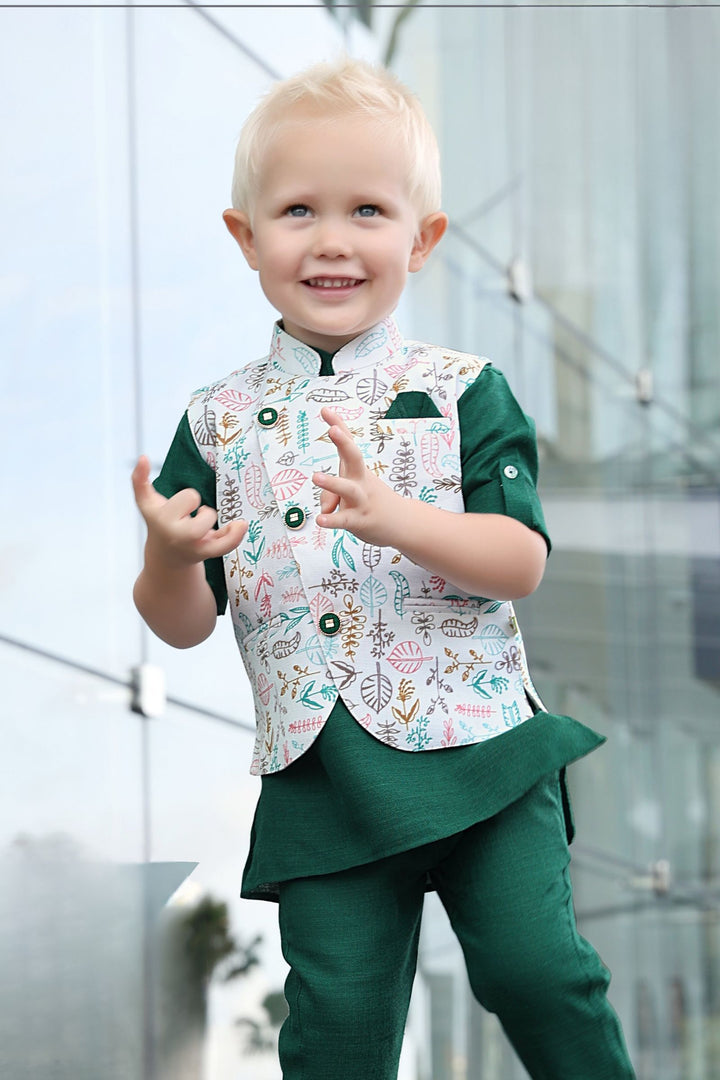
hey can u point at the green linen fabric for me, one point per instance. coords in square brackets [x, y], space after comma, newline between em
[351, 941]
[495, 432]
[351, 799]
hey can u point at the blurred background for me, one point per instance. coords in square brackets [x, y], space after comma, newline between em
[581, 150]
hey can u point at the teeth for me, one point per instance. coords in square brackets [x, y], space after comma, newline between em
[332, 283]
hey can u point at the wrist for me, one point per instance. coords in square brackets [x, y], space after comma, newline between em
[162, 562]
[406, 523]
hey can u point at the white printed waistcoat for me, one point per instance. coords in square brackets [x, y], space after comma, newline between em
[317, 612]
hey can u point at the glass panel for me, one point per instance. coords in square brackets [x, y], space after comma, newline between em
[66, 335]
[203, 799]
[578, 148]
[72, 897]
[581, 160]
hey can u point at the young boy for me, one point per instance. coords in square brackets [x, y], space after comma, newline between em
[377, 513]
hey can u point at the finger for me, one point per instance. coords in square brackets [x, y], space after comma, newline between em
[335, 420]
[225, 539]
[185, 502]
[338, 520]
[145, 494]
[334, 489]
[141, 472]
[332, 418]
[203, 522]
[329, 502]
[352, 462]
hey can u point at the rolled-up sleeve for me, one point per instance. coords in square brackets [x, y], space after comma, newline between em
[184, 467]
[498, 451]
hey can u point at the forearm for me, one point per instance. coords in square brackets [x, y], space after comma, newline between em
[176, 603]
[484, 554]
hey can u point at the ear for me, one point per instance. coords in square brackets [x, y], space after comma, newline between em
[430, 232]
[239, 226]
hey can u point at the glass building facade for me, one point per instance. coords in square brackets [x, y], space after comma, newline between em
[581, 160]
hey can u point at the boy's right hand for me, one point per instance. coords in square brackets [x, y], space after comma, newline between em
[174, 537]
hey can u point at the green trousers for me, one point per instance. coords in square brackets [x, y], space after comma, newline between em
[351, 940]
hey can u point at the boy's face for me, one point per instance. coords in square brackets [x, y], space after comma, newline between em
[334, 233]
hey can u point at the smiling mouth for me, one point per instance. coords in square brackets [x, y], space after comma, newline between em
[333, 283]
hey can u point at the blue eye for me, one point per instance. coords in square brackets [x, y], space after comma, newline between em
[368, 210]
[297, 210]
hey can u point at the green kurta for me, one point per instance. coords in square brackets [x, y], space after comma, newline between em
[351, 799]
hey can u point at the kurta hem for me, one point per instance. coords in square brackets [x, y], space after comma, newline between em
[351, 800]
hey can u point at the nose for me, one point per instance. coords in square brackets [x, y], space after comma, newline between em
[331, 239]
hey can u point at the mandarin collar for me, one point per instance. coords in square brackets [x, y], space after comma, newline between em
[372, 348]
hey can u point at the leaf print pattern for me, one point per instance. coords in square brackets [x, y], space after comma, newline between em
[337, 582]
[424, 622]
[320, 605]
[287, 483]
[381, 636]
[285, 646]
[449, 483]
[352, 621]
[230, 501]
[303, 432]
[373, 594]
[467, 667]
[283, 431]
[348, 415]
[204, 430]
[387, 732]
[418, 736]
[449, 737]
[307, 358]
[402, 590]
[327, 395]
[403, 475]
[234, 400]
[407, 656]
[239, 573]
[253, 486]
[458, 628]
[340, 551]
[370, 389]
[346, 674]
[235, 457]
[371, 556]
[419, 665]
[430, 452]
[252, 536]
[510, 660]
[493, 639]
[405, 713]
[376, 690]
[370, 343]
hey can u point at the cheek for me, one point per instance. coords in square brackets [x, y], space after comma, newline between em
[276, 260]
[396, 254]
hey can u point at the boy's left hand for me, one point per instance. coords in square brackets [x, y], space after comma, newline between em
[356, 499]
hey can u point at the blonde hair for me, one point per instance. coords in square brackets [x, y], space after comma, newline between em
[337, 89]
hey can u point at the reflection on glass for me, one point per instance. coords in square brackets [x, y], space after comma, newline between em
[583, 142]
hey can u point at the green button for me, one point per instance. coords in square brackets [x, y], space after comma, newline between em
[329, 623]
[294, 517]
[268, 417]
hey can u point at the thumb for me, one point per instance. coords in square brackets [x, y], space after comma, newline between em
[227, 538]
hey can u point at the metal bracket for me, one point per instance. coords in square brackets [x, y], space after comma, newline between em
[644, 389]
[148, 691]
[658, 880]
[519, 280]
